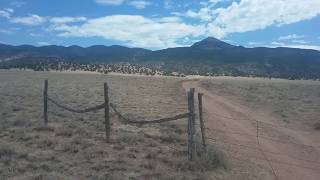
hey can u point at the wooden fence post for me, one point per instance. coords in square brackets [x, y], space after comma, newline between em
[106, 112]
[191, 121]
[201, 121]
[45, 102]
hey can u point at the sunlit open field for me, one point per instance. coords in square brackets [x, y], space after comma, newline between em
[74, 147]
[293, 102]
[267, 128]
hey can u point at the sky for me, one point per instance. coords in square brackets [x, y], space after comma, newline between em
[159, 24]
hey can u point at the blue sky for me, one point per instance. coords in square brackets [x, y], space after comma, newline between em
[160, 24]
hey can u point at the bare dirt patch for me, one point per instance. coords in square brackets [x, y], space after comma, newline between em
[265, 127]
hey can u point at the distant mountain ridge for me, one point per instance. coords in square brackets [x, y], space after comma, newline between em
[211, 43]
[207, 57]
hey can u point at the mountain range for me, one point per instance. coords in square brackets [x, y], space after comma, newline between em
[207, 57]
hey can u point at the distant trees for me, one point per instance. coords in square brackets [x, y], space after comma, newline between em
[178, 69]
[60, 65]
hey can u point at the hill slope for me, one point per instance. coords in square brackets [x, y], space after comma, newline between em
[207, 57]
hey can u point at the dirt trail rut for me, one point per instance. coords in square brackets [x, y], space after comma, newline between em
[256, 145]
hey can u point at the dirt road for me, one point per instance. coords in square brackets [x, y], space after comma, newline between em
[256, 144]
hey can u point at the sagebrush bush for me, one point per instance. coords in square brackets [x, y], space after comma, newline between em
[6, 151]
[203, 161]
[317, 126]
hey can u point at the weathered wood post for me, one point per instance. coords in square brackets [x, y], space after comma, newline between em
[201, 121]
[106, 112]
[45, 102]
[191, 128]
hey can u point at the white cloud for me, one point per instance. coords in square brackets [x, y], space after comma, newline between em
[275, 43]
[251, 15]
[110, 2]
[204, 14]
[6, 31]
[31, 20]
[300, 46]
[212, 3]
[139, 4]
[9, 10]
[171, 19]
[63, 20]
[42, 43]
[4, 14]
[290, 37]
[299, 41]
[292, 45]
[253, 43]
[141, 32]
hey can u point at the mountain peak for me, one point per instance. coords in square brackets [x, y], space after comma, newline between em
[211, 43]
[211, 39]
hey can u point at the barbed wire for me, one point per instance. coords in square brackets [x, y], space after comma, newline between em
[12, 95]
[132, 121]
[95, 108]
[185, 115]
[150, 147]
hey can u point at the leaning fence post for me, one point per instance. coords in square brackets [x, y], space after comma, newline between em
[201, 121]
[45, 102]
[106, 112]
[191, 128]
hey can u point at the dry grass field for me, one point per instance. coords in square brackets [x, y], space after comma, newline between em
[74, 147]
[282, 146]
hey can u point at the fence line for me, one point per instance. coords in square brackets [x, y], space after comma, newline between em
[126, 120]
[157, 146]
[191, 141]
[106, 105]
[80, 111]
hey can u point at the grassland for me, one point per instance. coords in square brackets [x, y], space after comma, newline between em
[74, 147]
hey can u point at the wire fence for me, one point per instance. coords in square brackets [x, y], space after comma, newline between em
[127, 120]
[86, 110]
[254, 140]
